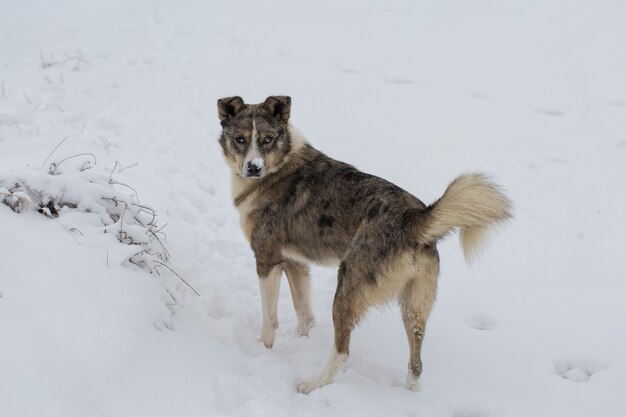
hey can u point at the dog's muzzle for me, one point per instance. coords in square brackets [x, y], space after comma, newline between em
[252, 170]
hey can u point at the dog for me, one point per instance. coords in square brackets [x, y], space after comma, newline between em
[298, 206]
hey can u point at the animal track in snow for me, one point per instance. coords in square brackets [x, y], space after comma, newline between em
[549, 112]
[399, 81]
[615, 103]
[347, 70]
[472, 411]
[478, 95]
[283, 53]
[481, 321]
[547, 162]
[578, 370]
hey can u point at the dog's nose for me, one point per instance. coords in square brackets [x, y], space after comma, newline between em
[252, 170]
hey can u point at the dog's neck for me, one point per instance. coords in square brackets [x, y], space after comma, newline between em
[242, 188]
[297, 139]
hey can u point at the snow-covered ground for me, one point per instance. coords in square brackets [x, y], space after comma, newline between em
[533, 92]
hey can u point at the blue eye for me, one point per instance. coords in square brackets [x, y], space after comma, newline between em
[268, 140]
[240, 140]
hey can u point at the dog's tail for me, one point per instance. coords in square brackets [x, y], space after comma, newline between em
[473, 204]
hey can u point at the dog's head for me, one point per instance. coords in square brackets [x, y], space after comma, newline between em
[255, 137]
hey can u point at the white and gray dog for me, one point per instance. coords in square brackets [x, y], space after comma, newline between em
[298, 206]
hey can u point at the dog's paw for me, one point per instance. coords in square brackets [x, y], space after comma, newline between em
[304, 326]
[307, 387]
[267, 336]
[412, 382]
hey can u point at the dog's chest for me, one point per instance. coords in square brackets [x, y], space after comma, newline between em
[237, 188]
[244, 221]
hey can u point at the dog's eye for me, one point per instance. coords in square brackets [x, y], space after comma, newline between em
[268, 140]
[240, 140]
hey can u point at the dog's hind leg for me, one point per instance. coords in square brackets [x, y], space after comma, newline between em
[270, 286]
[300, 286]
[348, 308]
[416, 300]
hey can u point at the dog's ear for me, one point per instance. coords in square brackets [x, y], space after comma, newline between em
[278, 106]
[228, 107]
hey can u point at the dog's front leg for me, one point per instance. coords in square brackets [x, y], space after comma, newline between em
[300, 286]
[270, 286]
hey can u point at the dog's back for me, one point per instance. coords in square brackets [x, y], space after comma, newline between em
[315, 206]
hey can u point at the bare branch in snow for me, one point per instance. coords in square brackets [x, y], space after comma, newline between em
[129, 166]
[54, 166]
[105, 142]
[125, 185]
[55, 148]
[67, 230]
[179, 277]
[113, 170]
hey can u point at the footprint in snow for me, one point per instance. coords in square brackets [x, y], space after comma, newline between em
[163, 324]
[478, 95]
[346, 70]
[399, 81]
[238, 41]
[615, 103]
[283, 53]
[481, 321]
[546, 161]
[578, 370]
[549, 112]
[472, 412]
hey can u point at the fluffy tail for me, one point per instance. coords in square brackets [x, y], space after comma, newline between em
[473, 204]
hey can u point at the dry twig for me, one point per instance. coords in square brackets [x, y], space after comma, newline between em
[54, 150]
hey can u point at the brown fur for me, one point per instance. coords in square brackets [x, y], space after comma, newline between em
[308, 207]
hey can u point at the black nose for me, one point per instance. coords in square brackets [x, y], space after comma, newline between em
[252, 170]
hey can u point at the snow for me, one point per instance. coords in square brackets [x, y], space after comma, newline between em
[531, 92]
